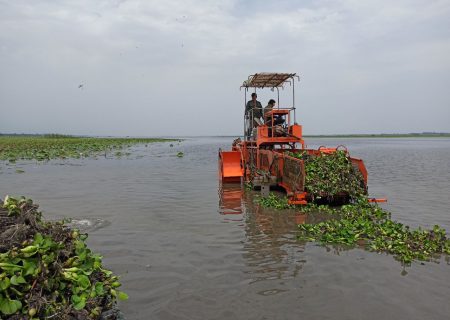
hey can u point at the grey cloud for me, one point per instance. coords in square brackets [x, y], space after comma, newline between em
[174, 67]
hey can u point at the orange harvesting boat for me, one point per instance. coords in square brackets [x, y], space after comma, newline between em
[264, 157]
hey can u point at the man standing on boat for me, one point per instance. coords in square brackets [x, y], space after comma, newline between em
[253, 111]
[255, 106]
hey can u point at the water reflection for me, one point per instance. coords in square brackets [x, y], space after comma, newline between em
[230, 199]
[271, 249]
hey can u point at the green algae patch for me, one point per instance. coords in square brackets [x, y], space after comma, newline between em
[47, 270]
[42, 148]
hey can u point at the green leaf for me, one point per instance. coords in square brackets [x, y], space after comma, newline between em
[17, 280]
[4, 284]
[29, 251]
[10, 267]
[29, 266]
[8, 306]
[78, 302]
[47, 243]
[83, 281]
[122, 295]
[38, 238]
[99, 288]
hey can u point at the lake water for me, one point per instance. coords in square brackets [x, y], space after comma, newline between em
[187, 249]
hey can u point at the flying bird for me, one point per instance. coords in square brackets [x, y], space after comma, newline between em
[181, 19]
[81, 86]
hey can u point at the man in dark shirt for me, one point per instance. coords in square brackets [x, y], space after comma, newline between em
[253, 110]
[254, 105]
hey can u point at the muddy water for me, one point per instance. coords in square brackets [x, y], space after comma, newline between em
[187, 249]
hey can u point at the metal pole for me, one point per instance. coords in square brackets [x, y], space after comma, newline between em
[293, 99]
[278, 92]
[253, 117]
[245, 114]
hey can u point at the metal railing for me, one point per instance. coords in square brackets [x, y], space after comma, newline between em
[250, 124]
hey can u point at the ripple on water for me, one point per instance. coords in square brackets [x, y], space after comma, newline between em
[88, 224]
[271, 292]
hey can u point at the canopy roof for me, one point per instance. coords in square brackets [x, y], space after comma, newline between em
[267, 80]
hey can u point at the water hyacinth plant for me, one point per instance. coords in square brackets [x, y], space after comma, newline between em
[46, 269]
[331, 174]
[41, 148]
[360, 222]
[370, 226]
[273, 201]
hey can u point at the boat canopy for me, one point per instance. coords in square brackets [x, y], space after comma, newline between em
[268, 80]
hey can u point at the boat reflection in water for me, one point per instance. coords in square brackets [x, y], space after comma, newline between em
[230, 201]
[271, 248]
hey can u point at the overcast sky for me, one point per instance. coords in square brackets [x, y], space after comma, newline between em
[155, 68]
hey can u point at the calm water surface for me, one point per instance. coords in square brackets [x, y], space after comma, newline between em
[187, 249]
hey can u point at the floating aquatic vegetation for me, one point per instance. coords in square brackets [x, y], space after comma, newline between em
[41, 148]
[370, 226]
[360, 222]
[273, 201]
[180, 154]
[367, 225]
[46, 269]
[280, 203]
